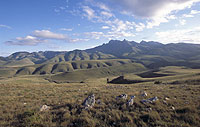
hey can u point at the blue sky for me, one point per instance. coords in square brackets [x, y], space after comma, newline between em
[63, 25]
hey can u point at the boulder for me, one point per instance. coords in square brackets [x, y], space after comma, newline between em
[150, 100]
[130, 102]
[89, 101]
[144, 94]
[122, 96]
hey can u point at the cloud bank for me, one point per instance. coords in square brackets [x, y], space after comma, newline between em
[28, 40]
[184, 35]
[153, 8]
[41, 36]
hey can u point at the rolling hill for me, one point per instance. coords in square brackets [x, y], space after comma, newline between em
[53, 68]
[144, 52]
[114, 54]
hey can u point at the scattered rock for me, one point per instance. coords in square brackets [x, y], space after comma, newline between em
[144, 101]
[44, 108]
[89, 101]
[150, 100]
[148, 109]
[153, 99]
[130, 102]
[172, 107]
[167, 99]
[144, 94]
[165, 102]
[98, 101]
[123, 96]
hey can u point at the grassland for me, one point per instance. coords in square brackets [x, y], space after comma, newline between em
[22, 97]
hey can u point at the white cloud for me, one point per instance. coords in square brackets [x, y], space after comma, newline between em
[28, 40]
[46, 34]
[171, 17]
[188, 15]
[5, 26]
[94, 35]
[140, 27]
[107, 14]
[155, 11]
[154, 8]
[102, 6]
[120, 25]
[116, 34]
[182, 22]
[66, 29]
[108, 35]
[103, 15]
[49, 35]
[175, 36]
[105, 27]
[42, 36]
[156, 21]
[193, 12]
[79, 40]
[89, 12]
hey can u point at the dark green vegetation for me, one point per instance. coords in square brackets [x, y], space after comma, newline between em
[62, 80]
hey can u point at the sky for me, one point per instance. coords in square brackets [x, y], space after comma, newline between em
[64, 25]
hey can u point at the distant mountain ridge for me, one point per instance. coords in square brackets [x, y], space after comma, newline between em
[151, 54]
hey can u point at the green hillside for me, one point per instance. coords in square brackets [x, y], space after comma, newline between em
[81, 75]
[152, 55]
[77, 55]
[53, 68]
[19, 63]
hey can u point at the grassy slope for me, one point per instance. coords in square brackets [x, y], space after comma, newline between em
[70, 66]
[21, 98]
[81, 75]
[19, 63]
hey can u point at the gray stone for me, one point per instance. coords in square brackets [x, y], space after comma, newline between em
[123, 96]
[130, 102]
[89, 101]
[150, 100]
[144, 94]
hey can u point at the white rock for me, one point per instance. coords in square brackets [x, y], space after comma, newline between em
[144, 94]
[130, 102]
[173, 108]
[167, 99]
[164, 102]
[44, 108]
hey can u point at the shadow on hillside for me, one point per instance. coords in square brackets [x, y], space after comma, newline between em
[152, 74]
[122, 80]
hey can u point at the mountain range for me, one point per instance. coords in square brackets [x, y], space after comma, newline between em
[143, 55]
[147, 53]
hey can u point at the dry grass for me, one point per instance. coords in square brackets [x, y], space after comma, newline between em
[21, 98]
